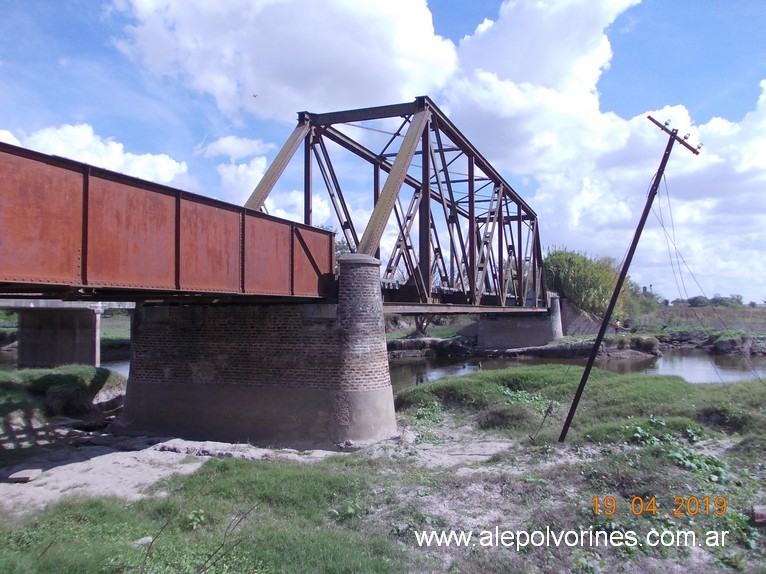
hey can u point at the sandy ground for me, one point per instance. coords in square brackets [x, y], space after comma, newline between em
[100, 464]
[506, 493]
[79, 463]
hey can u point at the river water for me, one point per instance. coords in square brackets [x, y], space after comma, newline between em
[694, 365]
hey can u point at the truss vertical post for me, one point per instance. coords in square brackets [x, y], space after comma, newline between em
[376, 196]
[472, 233]
[500, 255]
[519, 259]
[424, 214]
[307, 179]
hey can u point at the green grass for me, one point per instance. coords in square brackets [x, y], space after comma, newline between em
[702, 320]
[291, 518]
[115, 328]
[66, 390]
[633, 436]
[29, 396]
[608, 402]
[647, 436]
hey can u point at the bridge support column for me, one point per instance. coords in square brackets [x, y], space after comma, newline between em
[290, 375]
[54, 337]
[520, 330]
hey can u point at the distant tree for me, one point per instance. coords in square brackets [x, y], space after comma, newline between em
[589, 283]
[737, 299]
[698, 301]
[719, 301]
[752, 304]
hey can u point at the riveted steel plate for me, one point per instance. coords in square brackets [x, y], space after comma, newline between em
[312, 258]
[210, 248]
[131, 236]
[40, 222]
[267, 256]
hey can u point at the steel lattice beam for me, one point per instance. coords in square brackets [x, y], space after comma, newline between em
[466, 236]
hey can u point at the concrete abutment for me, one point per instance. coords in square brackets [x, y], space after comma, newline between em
[290, 375]
[522, 329]
[49, 337]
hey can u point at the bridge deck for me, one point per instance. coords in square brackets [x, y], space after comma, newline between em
[72, 230]
[446, 309]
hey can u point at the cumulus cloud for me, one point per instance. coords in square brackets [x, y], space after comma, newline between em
[524, 89]
[9, 138]
[289, 205]
[526, 94]
[239, 179]
[236, 148]
[81, 143]
[272, 57]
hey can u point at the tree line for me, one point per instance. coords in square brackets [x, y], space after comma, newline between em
[589, 282]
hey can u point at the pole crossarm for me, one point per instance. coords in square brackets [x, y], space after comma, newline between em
[451, 228]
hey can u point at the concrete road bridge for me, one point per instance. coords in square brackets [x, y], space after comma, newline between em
[246, 327]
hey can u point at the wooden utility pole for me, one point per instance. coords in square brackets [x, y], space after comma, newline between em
[672, 138]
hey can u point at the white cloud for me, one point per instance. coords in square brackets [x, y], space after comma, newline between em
[526, 94]
[236, 148]
[238, 180]
[289, 205]
[329, 54]
[80, 143]
[523, 88]
[558, 44]
[8, 137]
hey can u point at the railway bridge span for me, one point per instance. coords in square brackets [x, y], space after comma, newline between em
[246, 328]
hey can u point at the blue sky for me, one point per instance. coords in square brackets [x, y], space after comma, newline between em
[553, 92]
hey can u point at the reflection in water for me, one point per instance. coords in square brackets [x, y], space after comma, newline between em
[694, 365]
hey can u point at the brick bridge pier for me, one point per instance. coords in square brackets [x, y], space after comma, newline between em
[298, 375]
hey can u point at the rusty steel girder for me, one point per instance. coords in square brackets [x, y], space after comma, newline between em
[465, 235]
[75, 231]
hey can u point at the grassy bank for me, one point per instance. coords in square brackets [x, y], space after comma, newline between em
[647, 447]
[231, 516]
[655, 445]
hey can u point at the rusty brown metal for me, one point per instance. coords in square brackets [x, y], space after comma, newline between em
[312, 255]
[210, 244]
[131, 236]
[268, 246]
[457, 242]
[40, 222]
[70, 229]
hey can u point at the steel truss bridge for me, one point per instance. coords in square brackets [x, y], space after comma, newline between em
[462, 234]
[454, 236]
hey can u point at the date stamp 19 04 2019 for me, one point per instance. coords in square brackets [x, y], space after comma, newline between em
[682, 506]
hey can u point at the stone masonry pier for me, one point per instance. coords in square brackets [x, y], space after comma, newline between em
[297, 375]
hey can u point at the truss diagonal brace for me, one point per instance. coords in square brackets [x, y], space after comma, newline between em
[380, 215]
[275, 170]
